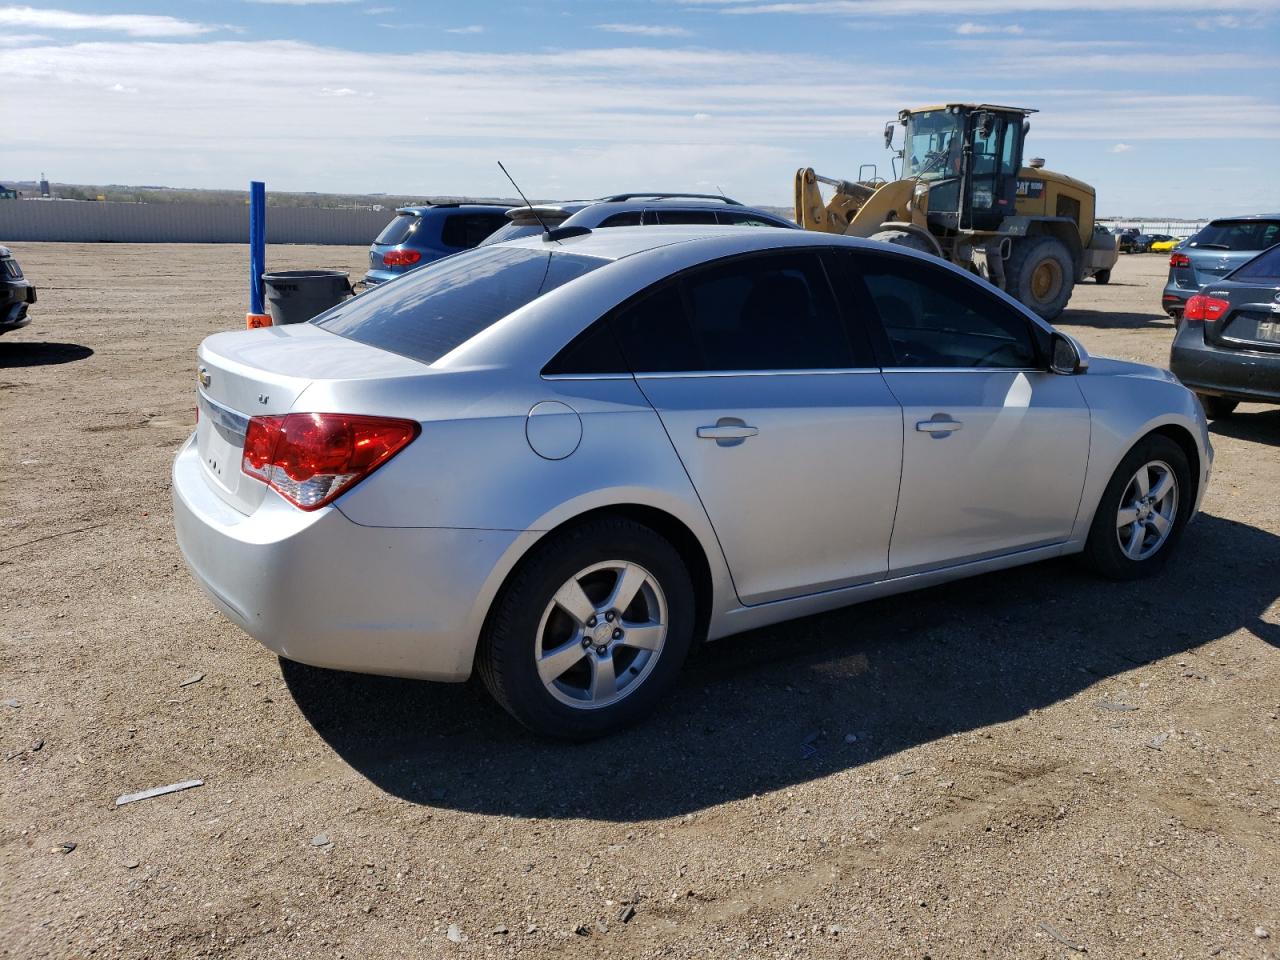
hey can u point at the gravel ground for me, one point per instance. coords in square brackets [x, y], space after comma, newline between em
[1029, 764]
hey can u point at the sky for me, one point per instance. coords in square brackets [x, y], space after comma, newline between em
[1167, 107]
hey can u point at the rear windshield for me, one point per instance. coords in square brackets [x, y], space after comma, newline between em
[1237, 235]
[398, 229]
[432, 310]
[1264, 268]
[513, 231]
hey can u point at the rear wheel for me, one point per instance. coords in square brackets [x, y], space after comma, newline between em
[904, 238]
[1142, 511]
[1102, 276]
[1215, 408]
[1040, 274]
[591, 632]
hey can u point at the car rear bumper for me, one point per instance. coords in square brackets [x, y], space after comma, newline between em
[14, 299]
[320, 589]
[1234, 374]
[1174, 298]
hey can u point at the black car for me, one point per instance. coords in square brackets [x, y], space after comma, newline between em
[16, 293]
[1125, 237]
[1227, 347]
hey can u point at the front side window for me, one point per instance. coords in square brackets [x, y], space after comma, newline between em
[434, 309]
[669, 217]
[935, 318]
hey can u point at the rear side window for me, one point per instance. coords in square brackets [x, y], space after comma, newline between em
[511, 231]
[1237, 235]
[934, 318]
[1264, 268]
[465, 230]
[629, 219]
[436, 308]
[399, 229]
[668, 217]
[771, 312]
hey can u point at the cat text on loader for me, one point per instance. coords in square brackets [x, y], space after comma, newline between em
[964, 195]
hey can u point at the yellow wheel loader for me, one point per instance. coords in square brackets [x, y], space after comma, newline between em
[964, 195]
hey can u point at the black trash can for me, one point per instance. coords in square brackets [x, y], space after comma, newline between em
[295, 296]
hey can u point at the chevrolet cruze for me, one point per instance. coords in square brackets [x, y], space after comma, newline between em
[561, 461]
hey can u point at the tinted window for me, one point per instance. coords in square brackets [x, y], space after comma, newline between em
[631, 219]
[739, 219]
[773, 312]
[654, 333]
[593, 351]
[465, 230]
[399, 228]
[934, 318]
[432, 310]
[685, 216]
[1264, 268]
[513, 231]
[1237, 235]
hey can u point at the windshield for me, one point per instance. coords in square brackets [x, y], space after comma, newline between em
[432, 310]
[933, 145]
[1237, 235]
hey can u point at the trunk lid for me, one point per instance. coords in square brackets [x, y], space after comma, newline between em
[259, 372]
[1251, 323]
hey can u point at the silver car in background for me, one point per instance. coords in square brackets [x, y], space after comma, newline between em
[561, 463]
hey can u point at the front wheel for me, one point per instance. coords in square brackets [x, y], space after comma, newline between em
[592, 630]
[1142, 511]
[1040, 274]
[1102, 276]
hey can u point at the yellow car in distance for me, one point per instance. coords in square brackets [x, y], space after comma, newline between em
[1164, 246]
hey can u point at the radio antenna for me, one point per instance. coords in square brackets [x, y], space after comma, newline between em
[532, 209]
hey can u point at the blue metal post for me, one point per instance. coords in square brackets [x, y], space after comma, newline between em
[257, 243]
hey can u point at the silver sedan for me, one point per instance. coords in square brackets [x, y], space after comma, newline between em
[561, 461]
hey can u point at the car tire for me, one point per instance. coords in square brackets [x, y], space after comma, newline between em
[1040, 274]
[539, 622]
[1102, 276]
[1141, 548]
[904, 238]
[1216, 408]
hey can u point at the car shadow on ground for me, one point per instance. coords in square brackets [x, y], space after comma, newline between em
[23, 353]
[774, 707]
[1261, 427]
[1111, 320]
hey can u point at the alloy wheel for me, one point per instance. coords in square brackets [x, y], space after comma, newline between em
[601, 634]
[1148, 509]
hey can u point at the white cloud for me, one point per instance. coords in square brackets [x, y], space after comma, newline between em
[702, 116]
[643, 30]
[971, 29]
[337, 92]
[300, 3]
[121, 88]
[376, 11]
[22, 39]
[473, 28]
[1121, 148]
[134, 25]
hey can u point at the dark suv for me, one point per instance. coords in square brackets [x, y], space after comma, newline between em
[1217, 249]
[16, 293]
[428, 232]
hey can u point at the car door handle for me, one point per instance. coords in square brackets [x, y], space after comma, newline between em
[939, 426]
[728, 432]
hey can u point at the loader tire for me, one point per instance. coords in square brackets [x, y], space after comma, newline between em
[1040, 274]
[904, 238]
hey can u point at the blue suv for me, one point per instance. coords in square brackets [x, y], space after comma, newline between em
[1219, 247]
[428, 232]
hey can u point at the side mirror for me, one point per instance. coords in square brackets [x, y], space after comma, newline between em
[888, 135]
[1068, 356]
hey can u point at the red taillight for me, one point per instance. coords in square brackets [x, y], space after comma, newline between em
[1179, 260]
[1201, 307]
[310, 458]
[400, 258]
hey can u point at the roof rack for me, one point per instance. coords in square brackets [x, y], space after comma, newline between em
[669, 195]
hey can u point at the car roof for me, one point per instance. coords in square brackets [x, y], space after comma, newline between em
[422, 208]
[1246, 216]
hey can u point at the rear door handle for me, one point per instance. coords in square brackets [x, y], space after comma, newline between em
[728, 432]
[939, 426]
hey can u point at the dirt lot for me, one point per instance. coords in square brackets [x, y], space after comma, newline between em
[1030, 764]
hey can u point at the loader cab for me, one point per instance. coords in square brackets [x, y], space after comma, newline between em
[969, 155]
